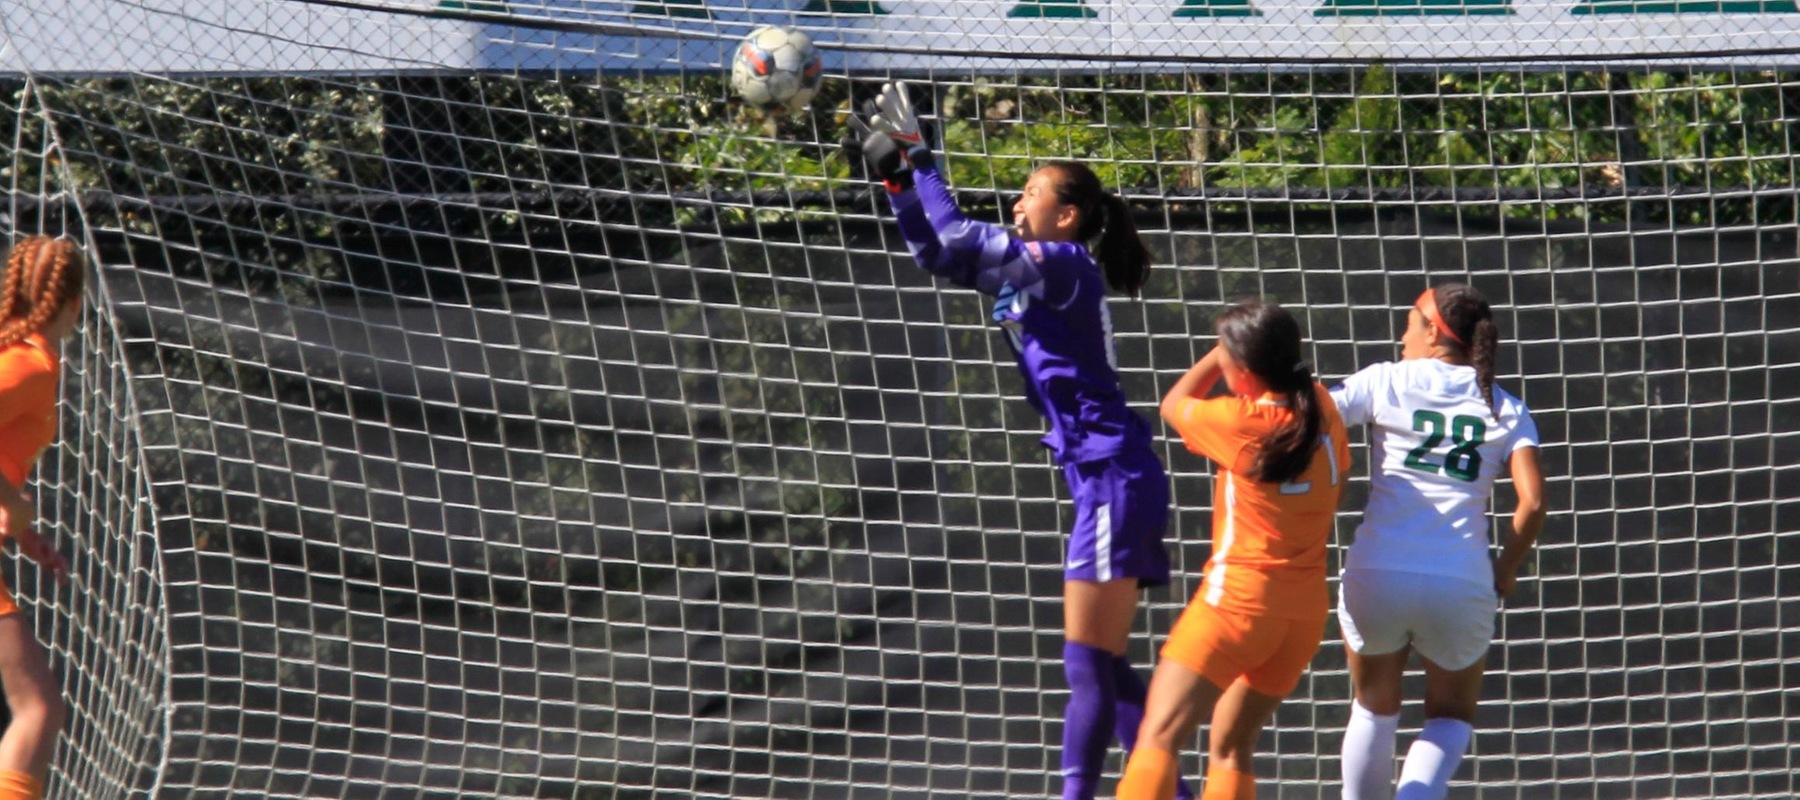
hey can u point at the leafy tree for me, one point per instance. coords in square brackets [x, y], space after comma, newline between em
[682, 136]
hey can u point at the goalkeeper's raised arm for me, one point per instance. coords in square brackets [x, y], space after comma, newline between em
[1064, 223]
[1049, 276]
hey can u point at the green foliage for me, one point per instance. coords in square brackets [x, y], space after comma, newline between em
[262, 136]
[1132, 130]
[682, 137]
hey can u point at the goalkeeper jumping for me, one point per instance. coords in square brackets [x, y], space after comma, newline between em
[1048, 277]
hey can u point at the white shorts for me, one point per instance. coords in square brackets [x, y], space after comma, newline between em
[1448, 620]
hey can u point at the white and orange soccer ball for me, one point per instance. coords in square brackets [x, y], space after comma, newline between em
[776, 69]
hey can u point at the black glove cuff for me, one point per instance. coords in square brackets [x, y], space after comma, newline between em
[883, 156]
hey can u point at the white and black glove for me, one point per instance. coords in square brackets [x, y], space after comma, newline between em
[891, 141]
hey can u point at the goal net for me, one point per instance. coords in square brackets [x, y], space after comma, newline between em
[476, 400]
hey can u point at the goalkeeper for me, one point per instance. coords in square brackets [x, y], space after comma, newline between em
[40, 304]
[1048, 277]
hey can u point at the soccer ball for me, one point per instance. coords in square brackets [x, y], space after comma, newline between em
[776, 69]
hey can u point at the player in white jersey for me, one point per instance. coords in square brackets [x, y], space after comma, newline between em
[1419, 576]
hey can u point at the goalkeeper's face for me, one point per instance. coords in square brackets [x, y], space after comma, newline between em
[1042, 216]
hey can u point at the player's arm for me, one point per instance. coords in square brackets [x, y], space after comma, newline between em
[16, 515]
[1210, 427]
[1355, 397]
[16, 508]
[978, 255]
[1527, 518]
[943, 240]
[1195, 385]
[26, 390]
[947, 243]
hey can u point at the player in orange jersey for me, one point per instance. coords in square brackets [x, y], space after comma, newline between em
[1249, 633]
[40, 304]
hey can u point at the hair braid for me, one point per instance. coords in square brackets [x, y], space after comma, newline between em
[50, 283]
[43, 275]
[1481, 356]
[1467, 312]
[16, 265]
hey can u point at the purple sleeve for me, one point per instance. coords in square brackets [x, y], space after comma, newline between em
[978, 255]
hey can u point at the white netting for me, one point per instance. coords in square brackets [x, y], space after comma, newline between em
[558, 429]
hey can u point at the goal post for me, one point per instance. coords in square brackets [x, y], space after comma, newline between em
[476, 399]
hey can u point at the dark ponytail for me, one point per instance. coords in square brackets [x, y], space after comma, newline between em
[1265, 339]
[1468, 314]
[1106, 226]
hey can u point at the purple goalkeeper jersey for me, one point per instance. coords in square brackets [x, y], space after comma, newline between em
[1051, 300]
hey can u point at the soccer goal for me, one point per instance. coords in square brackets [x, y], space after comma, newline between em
[478, 399]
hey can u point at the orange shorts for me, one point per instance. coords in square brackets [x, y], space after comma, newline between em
[7, 606]
[1269, 654]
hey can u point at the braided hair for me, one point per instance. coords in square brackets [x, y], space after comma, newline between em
[43, 275]
[1467, 313]
[1265, 339]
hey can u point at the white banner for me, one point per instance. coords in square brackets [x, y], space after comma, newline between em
[347, 36]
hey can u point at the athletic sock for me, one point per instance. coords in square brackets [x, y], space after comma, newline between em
[1432, 760]
[1368, 754]
[1149, 775]
[1225, 783]
[19, 786]
[1088, 720]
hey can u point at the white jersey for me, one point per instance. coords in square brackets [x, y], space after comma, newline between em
[1435, 450]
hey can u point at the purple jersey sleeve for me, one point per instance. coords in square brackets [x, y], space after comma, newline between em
[977, 255]
[1050, 298]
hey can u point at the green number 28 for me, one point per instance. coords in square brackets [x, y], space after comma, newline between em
[1466, 434]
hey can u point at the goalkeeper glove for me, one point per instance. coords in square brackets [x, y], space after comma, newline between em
[891, 141]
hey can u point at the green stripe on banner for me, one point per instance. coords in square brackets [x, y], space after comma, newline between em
[1686, 7]
[674, 8]
[1216, 8]
[1413, 8]
[842, 7]
[490, 6]
[1051, 8]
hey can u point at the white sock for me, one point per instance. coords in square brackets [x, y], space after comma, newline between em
[1368, 754]
[1432, 759]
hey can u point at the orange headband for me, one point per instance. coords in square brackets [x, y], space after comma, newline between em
[1427, 305]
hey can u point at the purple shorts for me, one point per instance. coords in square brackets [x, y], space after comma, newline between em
[1121, 513]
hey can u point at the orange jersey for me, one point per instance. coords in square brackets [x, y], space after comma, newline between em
[28, 381]
[1268, 539]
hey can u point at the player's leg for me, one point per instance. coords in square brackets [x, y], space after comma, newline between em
[1205, 655]
[1132, 697]
[1453, 644]
[1121, 511]
[1374, 614]
[1096, 625]
[1286, 647]
[1450, 700]
[1180, 698]
[1368, 746]
[1237, 719]
[37, 710]
[1140, 489]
